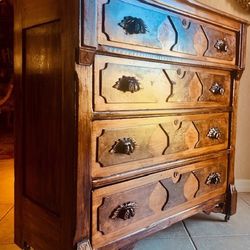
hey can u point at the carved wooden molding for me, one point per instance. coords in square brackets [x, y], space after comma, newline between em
[86, 56]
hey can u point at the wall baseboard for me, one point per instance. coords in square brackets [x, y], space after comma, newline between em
[242, 185]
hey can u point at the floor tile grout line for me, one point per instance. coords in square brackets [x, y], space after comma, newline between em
[7, 213]
[242, 199]
[220, 236]
[189, 236]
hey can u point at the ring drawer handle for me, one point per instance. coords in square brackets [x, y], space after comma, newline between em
[124, 146]
[217, 89]
[221, 45]
[213, 179]
[128, 83]
[124, 211]
[133, 25]
[214, 133]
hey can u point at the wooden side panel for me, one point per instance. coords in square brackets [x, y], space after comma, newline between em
[45, 163]
[42, 109]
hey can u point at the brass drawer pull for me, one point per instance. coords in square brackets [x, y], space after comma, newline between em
[217, 89]
[127, 83]
[213, 179]
[124, 146]
[214, 133]
[133, 25]
[221, 45]
[124, 211]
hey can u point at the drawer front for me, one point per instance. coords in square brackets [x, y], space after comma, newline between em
[123, 145]
[124, 208]
[123, 84]
[135, 25]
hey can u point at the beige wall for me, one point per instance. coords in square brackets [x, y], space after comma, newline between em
[243, 132]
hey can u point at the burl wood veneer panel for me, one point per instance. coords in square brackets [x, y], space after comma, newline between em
[123, 145]
[123, 84]
[161, 31]
[126, 207]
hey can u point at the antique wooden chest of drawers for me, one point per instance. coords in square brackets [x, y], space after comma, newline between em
[126, 118]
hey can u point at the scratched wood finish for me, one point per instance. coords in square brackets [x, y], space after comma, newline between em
[157, 140]
[159, 86]
[163, 193]
[162, 31]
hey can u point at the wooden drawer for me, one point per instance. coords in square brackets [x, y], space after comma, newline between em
[124, 208]
[123, 84]
[139, 26]
[123, 145]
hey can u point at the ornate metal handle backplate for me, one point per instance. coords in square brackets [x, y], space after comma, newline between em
[217, 89]
[213, 179]
[214, 133]
[133, 25]
[124, 211]
[127, 83]
[221, 45]
[124, 146]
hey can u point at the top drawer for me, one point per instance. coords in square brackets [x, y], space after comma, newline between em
[135, 25]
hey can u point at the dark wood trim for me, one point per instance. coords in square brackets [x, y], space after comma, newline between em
[85, 56]
[156, 113]
[97, 183]
[126, 53]
[70, 34]
[202, 8]
[18, 125]
[83, 182]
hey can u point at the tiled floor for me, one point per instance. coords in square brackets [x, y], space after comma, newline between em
[200, 232]
[205, 232]
[7, 205]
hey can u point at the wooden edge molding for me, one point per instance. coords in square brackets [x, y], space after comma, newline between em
[113, 179]
[204, 7]
[84, 245]
[85, 55]
[237, 74]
